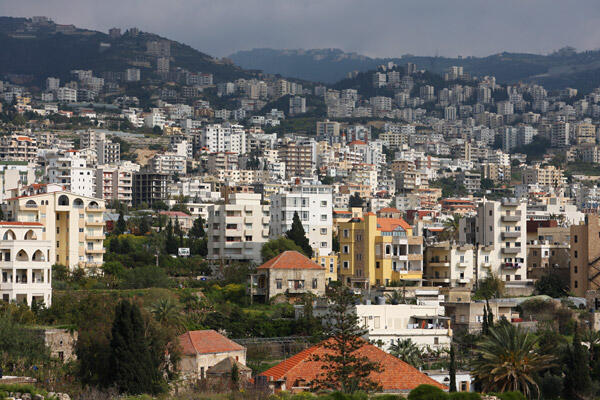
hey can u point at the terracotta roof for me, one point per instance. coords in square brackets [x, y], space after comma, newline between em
[389, 224]
[356, 142]
[291, 260]
[389, 210]
[397, 376]
[206, 342]
[18, 223]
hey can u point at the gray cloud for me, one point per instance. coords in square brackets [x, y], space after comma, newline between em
[371, 27]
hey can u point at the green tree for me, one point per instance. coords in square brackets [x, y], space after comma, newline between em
[489, 288]
[427, 392]
[508, 359]
[452, 369]
[274, 247]
[344, 368]
[171, 245]
[197, 229]
[577, 382]
[487, 184]
[298, 236]
[167, 313]
[355, 201]
[144, 226]
[134, 369]
[121, 226]
[451, 228]
[551, 285]
[407, 351]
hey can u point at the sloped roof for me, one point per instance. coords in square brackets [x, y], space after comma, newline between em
[225, 365]
[290, 259]
[397, 376]
[389, 210]
[390, 224]
[206, 342]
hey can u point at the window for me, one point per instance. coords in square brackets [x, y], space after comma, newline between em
[346, 250]
[490, 213]
[436, 340]
[80, 230]
[575, 254]
[486, 259]
[278, 283]
[346, 264]
[575, 269]
[314, 283]
[323, 231]
[574, 238]
[323, 217]
[323, 244]
[358, 238]
[345, 233]
[535, 252]
[517, 277]
[575, 284]
[376, 264]
[462, 259]
[324, 203]
[57, 244]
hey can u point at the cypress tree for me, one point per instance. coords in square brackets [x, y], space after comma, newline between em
[452, 369]
[170, 239]
[133, 369]
[121, 224]
[298, 236]
[577, 382]
[484, 324]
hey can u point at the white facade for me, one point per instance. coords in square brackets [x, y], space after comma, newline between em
[26, 271]
[71, 171]
[221, 138]
[423, 325]
[314, 207]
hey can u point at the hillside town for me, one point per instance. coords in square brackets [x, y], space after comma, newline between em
[236, 215]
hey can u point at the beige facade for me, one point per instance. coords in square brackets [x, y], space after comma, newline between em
[448, 264]
[544, 176]
[74, 224]
[544, 257]
[468, 316]
[585, 256]
[237, 230]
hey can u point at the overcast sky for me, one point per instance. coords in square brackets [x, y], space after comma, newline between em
[371, 27]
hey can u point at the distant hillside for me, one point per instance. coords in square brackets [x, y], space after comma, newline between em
[560, 69]
[41, 50]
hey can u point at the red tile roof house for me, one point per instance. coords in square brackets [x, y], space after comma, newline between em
[290, 272]
[298, 372]
[201, 350]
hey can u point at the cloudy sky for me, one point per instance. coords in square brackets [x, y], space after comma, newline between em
[370, 27]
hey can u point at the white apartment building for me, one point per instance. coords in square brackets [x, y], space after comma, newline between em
[168, 163]
[132, 74]
[72, 223]
[155, 118]
[70, 170]
[237, 230]
[15, 174]
[222, 138]
[424, 325]
[26, 270]
[314, 204]
[499, 231]
[115, 182]
[66, 95]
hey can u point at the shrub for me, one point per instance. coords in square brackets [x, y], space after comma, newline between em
[510, 396]
[427, 392]
[464, 396]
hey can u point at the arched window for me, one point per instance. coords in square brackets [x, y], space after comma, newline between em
[38, 256]
[78, 203]
[31, 204]
[9, 235]
[22, 256]
[30, 235]
[63, 200]
[93, 204]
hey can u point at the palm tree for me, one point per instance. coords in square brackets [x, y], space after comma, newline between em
[395, 297]
[407, 351]
[451, 228]
[167, 313]
[508, 359]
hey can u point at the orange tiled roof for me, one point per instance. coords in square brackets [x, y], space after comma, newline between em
[389, 224]
[356, 142]
[389, 210]
[397, 376]
[290, 260]
[206, 342]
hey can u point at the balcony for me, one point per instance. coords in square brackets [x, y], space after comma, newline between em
[438, 263]
[511, 235]
[94, 236]
[95, 209]
[511, 250]
[511, 218]
[95, 251]
[506, 202]
[511, 265]
[486, 265]
[94, 223]
[462, 265]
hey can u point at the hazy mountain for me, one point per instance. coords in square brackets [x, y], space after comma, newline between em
[565, 67]
[38, 50]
